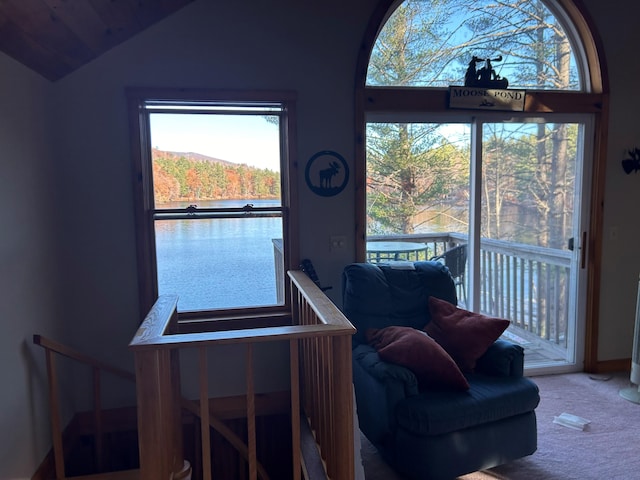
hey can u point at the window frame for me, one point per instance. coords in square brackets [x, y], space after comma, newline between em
[145, 211]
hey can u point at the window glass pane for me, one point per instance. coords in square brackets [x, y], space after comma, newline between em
[528, 227]
[227, 157]
[431, 43]
[417, 178]
[220, 263]
[417, 189]
[528, 177]
[215, 156]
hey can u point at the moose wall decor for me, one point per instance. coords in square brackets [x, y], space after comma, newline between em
[632, 164]
[327, 173]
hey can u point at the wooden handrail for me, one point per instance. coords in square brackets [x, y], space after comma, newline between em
[68, 352]
[52, 347]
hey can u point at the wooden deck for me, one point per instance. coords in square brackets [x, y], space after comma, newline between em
[537, 352]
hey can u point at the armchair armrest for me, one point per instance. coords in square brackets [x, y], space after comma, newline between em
[379, 386]
[502, 359]
[385, 372]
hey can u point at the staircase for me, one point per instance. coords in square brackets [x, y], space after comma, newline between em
[316, 411]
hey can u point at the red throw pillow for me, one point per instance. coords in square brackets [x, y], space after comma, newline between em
[465, 335]
[418, 352]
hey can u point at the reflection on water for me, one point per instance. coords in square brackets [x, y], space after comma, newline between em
[218, 263]
[442, 219]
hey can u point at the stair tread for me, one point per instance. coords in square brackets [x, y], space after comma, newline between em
[121, 475]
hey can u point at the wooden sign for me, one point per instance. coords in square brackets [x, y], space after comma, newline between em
[477, 98]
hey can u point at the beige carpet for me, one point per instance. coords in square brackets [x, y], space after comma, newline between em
[607, 449]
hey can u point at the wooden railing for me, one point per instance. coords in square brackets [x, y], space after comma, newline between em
[523, 283]
[319, 343]
[52, 350]
[321, 396]
[323, 364]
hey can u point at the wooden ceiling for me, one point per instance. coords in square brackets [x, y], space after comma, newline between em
[55, 37]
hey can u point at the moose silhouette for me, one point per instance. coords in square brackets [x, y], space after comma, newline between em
[486, 76]
[327, 174]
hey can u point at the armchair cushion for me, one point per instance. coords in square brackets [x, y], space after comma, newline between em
[376, 296]
[465, 335]
[488, 400]
[418, 352]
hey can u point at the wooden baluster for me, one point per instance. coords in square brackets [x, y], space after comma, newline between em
[97, 406]
[204, 415]
[251, 414]
[324, 388]
[56, 430]
[294, 361]
[342, 399]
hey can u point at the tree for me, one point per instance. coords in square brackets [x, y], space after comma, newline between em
[429, 43]
[165, 187]
[409, 166]
[537, 55]
[179, 178]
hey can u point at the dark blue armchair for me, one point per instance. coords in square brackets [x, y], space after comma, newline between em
[434, 433]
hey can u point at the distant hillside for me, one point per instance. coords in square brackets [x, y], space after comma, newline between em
[189, 176]
[198, 157]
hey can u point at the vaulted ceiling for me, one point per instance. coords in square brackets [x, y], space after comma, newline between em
[55, 37]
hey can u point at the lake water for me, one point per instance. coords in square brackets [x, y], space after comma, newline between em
[218, 263]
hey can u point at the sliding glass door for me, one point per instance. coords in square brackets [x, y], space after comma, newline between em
[510, 190]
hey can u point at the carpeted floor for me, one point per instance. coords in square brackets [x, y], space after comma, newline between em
[608, 448]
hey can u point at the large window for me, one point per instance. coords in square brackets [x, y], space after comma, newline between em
[213, 194]
[510, 190]
[431, 43]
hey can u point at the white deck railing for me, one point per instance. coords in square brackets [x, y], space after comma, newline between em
[523, 283]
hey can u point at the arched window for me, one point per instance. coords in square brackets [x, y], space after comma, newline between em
[432, 44]
[517, 186]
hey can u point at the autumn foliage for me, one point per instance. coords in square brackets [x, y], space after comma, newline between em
[188, 176]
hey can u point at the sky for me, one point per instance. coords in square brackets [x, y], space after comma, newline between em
[248, 139]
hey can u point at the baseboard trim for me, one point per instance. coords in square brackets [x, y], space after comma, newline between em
[609, 366]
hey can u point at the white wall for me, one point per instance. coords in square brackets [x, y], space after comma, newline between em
[621, 257]
[309, 47]
[28, 275]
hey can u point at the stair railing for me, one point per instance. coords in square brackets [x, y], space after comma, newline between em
[320, 378]
[321, 395]
[52, 349]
